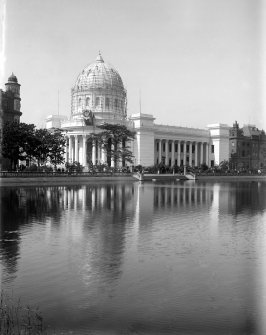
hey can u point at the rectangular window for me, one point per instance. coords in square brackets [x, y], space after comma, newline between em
[212, 149]
[193, 148]
[157, 146]
[97, 102]
[212, 163]
[175, 161]
[182, 147]
[187, 147]
[163, 147]
[175, 147]
[170, 147]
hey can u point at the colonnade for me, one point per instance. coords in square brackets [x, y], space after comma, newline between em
[181, 152]
[84, 152]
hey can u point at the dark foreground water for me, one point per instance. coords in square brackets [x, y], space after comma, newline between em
[181, 258]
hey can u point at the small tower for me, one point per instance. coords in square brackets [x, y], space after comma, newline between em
[11, 100]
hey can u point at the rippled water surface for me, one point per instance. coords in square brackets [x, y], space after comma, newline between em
[116, 258]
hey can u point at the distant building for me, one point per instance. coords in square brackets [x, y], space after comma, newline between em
[10, 100]
[9, 108]
[247, 147]
[99, 96]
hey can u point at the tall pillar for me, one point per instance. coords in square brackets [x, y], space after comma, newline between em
[173, 153]
[190, 153]
[160, 151]
[196, 154]
[179, 153]
[185, 153]
[166, 152]
[103, 155]
[70, 149]
[99, 153]
[76, 148]
[93, 152]
[201, 152]
[84, 150]
[207, 154]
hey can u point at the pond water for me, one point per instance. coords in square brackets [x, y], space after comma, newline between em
[132, 258]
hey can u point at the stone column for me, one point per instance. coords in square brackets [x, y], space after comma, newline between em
[76, 148]
[196, 154]
[179, 153]
[84, 150]
[160, 151]
[173, 153]
[190, 153]
[166, 152]
[70, 149]
[103, 155]
[93, 152]
[99, 153]
[185, 153]
[207, 154]
[201, 152]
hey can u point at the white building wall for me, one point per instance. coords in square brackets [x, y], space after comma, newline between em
[144, 148]
[219, 134]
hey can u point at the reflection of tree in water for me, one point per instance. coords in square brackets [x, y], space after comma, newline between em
[19, 207]
[109, 208]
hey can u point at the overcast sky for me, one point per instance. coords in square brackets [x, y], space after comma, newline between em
[193, 62]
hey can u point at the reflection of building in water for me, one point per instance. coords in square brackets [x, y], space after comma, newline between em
[182, 197]
[100, 215]
[241, 197]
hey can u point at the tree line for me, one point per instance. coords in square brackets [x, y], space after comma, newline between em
[24, 142]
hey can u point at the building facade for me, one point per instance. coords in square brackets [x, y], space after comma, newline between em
[247, 147]
[10, 100]
[98, 96]
[10, 103]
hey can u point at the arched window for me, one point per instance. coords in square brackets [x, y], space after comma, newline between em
[107, 102]
[87, 101]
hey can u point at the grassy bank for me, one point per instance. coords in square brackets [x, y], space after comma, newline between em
[19, 319]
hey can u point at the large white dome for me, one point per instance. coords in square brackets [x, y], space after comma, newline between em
[99, 75]
[100, 90]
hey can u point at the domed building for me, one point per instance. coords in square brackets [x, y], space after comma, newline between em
[99, 96]
[99, 89]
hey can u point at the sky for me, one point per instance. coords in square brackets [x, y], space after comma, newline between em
[187, 62]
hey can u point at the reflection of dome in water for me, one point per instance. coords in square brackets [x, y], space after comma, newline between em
[99, 88]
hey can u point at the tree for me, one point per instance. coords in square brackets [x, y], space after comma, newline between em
[49, 146]
[22, 141]
[18, 140]
[41, 149]
[57, 147]
[115, 138]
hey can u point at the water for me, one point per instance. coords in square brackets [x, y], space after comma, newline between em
[116, 258]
